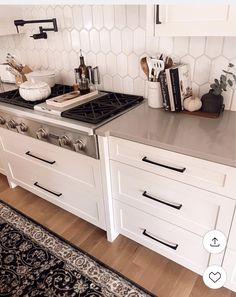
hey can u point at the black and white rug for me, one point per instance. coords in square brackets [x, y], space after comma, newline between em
[36, 262]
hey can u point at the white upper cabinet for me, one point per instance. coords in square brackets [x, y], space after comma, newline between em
[9, 13]
[191, 20]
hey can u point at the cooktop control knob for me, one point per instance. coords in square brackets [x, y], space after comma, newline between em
[11, 124]
[23, 127]
[41, 133]
[79, 145]
[2, 121]
[64, 140]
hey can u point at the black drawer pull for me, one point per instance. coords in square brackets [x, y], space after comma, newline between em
[145, 159]
[38, 158]
[172, 246]
[158, 22]
[176, 206]
[51, 192]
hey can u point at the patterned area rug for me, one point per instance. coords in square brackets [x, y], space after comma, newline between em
[36, 262]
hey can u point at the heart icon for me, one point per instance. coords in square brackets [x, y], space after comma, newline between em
[215, 276]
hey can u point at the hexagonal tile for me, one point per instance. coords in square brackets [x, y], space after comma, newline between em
[195, 89]
[60, 17]
[58, 61]
[105, 41]
[204, 89]
[128, 85]
[166, 45]
[122, 64]
[107, 82]
[75, 40]
[87, 16]
[117, 84]
[133, 66]
[116, 41]
[108, 16]
[228, 96]
[142, 16]
[111, 64]
[68, 17]
[139, 41]
[43, 59]
[66, 39]
[91, 59]
[65, 61]
[181, 45]
[132, 16]
[152, 44]
[68, 78]
[101, 63]
[94, 40]
[229, 47]
[214, 46]
[127, 41]
[73, 60]
[216, 67]
[120, 16]
[51, 60]
[202, 70]
[189, 60]
[139, 87]
[59, 41]
[197, 46]
[50, 12]
[77, 17]
[97, 16]
[84, 40]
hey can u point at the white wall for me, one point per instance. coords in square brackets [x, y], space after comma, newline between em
[114, 38]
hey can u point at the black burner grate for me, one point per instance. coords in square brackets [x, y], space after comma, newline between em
[102, 108]
[13, 97]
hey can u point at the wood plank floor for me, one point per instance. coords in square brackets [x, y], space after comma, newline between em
[147, 268]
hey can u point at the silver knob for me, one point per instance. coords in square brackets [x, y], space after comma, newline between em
[11, 124]
[23, 127]
[64, 140]
[79, 145]
[2, 121]
[41, 133]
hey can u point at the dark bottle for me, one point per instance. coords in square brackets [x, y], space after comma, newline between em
[82, 66]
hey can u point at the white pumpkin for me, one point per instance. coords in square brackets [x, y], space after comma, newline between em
[192, 104]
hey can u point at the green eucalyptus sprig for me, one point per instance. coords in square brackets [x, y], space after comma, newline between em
[229, 78]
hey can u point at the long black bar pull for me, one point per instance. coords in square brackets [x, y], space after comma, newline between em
[158, 22]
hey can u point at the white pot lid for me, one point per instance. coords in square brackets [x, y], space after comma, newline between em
[33, 85]
[42, 73]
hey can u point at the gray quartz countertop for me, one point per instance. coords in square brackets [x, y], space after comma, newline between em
[205, 138]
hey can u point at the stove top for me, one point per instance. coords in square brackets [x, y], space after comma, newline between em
[102, 108]
[13, 97]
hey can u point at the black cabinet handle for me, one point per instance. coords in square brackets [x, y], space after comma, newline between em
[171, 246]
[176, 206]
[158, 22]
[145, 159]
[51, 192]
[38, 158]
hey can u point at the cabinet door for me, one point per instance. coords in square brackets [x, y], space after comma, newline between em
[229, 265]
[9, 13]
[193, 20]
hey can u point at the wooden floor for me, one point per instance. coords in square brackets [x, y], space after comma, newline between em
[147, 268]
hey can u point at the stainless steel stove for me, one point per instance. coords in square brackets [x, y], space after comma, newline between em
[70, 129]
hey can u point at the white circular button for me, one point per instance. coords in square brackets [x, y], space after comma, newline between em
[214, 277]
[214, 241]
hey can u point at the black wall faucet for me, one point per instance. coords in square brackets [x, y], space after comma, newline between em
[42, 31]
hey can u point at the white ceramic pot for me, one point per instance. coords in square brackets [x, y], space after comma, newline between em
[42, 75]
[154, 95]
[34, 91]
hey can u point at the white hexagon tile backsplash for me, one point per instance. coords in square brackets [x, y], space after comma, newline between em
[114, 38]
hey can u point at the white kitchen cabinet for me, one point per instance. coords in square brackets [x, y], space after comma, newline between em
[191, 20]
[9, 13]
[229, 266]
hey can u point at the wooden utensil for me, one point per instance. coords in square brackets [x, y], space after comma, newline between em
[168, 62]
[144, 66]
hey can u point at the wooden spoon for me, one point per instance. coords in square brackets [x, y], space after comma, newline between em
[144, 66]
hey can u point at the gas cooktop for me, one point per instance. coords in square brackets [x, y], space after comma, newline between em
[13, 97]
[102, 108]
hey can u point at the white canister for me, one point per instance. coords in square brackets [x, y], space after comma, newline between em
[154, 95]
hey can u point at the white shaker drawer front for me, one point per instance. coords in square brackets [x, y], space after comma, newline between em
[203, 174]
[188, 207]
[232, 237]
[70, 163]
[229, 265]
[68, 193]
[165, 238]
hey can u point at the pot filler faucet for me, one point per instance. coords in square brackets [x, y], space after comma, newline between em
[42, 31]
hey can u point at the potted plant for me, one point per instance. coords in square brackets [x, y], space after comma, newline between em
[213, 100]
